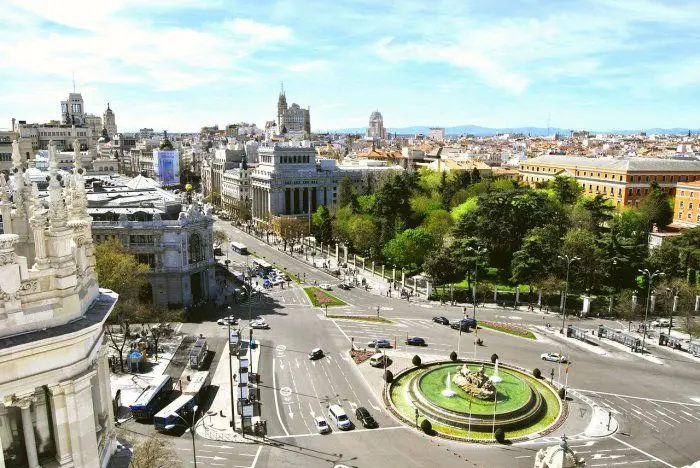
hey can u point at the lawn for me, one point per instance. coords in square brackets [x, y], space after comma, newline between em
[509, 329]
[511, 393]
[321, 298]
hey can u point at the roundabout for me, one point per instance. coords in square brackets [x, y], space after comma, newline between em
[471, 400]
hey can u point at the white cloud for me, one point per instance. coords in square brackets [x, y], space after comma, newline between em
[310, 66]
[258, 33]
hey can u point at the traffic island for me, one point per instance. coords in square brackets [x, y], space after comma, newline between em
[321, 298]
[464, 401]
[360, 318]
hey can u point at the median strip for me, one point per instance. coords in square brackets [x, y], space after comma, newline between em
[320, 298]
[509, 329]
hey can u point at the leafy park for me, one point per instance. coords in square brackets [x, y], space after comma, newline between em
[460, 227]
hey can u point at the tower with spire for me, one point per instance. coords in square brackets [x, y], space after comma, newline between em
[109, 122]
[281, 109]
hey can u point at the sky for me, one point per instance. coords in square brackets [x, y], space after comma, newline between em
[183, 64]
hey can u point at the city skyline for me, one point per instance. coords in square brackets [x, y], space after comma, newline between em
[181, 65]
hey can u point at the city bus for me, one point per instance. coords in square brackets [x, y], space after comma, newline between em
[198, 353]
[173, 414]
[239, 248]
[198, 385]
[261, 267]
[153, 398]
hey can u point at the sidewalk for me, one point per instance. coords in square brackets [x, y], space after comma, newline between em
[216, 424]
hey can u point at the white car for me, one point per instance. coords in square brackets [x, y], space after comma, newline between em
[259, 324]
[554, 357]
[277, 281]
[321, 425]
[230, 320]
[325, 286]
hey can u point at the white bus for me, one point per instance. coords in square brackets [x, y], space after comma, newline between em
[198, 385]
[239, 248]
[261, 267]
[198, 353]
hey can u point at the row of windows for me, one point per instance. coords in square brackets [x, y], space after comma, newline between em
[647, 178]
[64, 134]
[690, 193]
[690, 205]
[141, 239]
[5, 156]
[689, 216]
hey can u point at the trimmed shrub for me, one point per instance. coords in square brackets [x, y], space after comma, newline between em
[500, 435]
[537, 373]
[416, 360]
[494, 356]
[426, 426]
[453, 356]
[562, 393]
[388, 376]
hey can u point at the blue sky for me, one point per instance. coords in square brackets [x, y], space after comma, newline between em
[182, 64]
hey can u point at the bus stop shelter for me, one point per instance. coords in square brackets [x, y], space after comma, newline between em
[619, 336]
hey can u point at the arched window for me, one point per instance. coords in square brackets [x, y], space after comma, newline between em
[195, 249]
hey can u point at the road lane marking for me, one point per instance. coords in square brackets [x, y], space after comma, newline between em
[354, 431]
[296, 392]
[277, 406]
[642, 452]
[638, 398]
[257, 454]
[318, 400]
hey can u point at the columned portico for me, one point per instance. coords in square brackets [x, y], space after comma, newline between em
[24, 403]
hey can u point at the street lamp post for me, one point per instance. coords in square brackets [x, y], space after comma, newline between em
[230, 367]
[569, 261]
[192, 427]
[479, 251]
[650, 277]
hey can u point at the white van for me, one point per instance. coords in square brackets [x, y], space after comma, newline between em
[339, 417]
[377, 360]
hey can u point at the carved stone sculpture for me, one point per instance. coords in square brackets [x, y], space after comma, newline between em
[476, 383]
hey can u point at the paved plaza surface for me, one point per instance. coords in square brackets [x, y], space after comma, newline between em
[654, 404]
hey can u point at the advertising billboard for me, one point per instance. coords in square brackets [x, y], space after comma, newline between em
[166, 165]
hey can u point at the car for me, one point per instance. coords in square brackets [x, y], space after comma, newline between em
[441, 320]
[460, 326]
[379, 344]
[554, 357]
[321, 425]
[365, 418]
[344, 286]
[230, 320]
[277, 281]
[325, 286]
[259, 325]
[469, 321]
[415, 341]
[316, 353]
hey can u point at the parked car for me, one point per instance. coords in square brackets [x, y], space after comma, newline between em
[325, 286]
[316, 353]
[415, 341]
[554, 357]
[344, 286]
[277, 281]
[365, 418]
[321, 425]
[441, 320]
[379, 344]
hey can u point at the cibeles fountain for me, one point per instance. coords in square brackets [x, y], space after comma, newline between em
[469, 400]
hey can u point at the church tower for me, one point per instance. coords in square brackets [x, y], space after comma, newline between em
[281, 109]
[109, 122]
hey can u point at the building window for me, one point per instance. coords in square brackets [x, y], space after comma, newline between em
[690, 205]
[681, 205]
[195, 249]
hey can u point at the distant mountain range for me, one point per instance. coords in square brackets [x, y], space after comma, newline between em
[533, 131]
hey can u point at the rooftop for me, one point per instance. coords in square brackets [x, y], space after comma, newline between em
[620, 164]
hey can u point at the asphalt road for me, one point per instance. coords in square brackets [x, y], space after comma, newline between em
[659, 419]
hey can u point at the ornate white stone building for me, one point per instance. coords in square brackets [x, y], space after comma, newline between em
[292, 119]
[55, 401]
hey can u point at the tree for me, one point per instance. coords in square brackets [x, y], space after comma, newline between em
[566, 188]
[438, 224]
[408, 249]
[667, 259]
[121, 272]
[533, 262]
[153, 451]
[346, 192]
[475, 176]
[600, 210]
[220, 238]
[441, 266]
[323, 225]
[625, 307]
[158, 323]
[656, 206]
[588, 270]
[363, 234]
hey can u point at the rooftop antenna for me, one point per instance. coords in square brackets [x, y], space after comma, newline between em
[549, 117]
[282, 87]
[73, 82]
